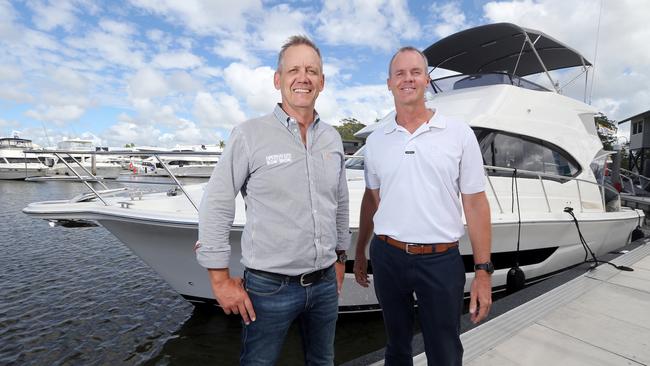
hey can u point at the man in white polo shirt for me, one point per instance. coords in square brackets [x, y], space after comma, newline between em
[416, 167]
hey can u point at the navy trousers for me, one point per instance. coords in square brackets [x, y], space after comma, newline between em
[438, 282]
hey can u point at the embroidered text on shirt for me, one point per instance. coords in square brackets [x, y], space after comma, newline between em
[278, 158]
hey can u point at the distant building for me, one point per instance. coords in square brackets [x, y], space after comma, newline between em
[639, 142]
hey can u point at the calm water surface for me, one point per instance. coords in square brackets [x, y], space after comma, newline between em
[77, 296]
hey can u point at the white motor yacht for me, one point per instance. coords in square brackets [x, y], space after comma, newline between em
[95, 165]
[182, 166]
[540, 149]
[15, 163]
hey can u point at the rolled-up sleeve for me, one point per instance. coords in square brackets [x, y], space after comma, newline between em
[217, 209]
[343, 211]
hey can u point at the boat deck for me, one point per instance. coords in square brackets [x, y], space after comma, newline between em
[599, 318]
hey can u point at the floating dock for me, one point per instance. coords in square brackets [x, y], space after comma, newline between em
[600, 317]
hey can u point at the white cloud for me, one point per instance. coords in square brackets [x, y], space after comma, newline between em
[380, 24]
[278, 24]
[10, 73]
[223, 112]
[177, 60]
[113, 49]
[7, 17]
[183, 82]
[204, 17]
[10, 92]
[70, 80]
[117, 28]
[125, 132]
[255, 86]
[148, 83]
[447, 18]
[234, 49]
[56, 114]
[8, 124]
[365, 103]
[50, 16]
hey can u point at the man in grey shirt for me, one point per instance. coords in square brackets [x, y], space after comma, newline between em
[289, 168]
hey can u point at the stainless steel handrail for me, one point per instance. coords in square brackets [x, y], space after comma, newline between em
[519, 172]
[549, 176]
[129, 153]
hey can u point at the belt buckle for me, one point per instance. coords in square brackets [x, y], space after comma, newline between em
[406, 248]
[302, 280]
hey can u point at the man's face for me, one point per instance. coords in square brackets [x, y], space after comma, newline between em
[300, 78]
[408, 79]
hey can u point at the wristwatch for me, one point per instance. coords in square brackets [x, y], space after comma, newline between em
[341, 257]
[487, 267]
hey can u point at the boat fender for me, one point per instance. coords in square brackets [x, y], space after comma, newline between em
[637, 233]
[515, 280]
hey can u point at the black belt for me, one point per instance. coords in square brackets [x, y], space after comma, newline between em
[305, 279]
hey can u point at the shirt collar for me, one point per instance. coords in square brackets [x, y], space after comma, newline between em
[287, 121]
[436, 121]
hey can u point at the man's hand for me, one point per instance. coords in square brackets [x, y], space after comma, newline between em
[340, 275]
[361, 269]
[230, 294]
[480, 298]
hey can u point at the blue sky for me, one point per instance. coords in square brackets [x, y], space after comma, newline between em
[162, 72]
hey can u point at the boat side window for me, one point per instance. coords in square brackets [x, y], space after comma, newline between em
[518, 152]
[23, 160]
[3, 161]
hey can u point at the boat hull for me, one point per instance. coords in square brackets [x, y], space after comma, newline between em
[168, 249]
[19, 173]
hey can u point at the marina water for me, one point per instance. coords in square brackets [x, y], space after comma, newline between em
[77, 296]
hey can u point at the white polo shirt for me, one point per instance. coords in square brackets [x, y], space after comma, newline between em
[420, 176]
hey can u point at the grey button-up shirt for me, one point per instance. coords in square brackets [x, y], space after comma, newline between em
[296, 197]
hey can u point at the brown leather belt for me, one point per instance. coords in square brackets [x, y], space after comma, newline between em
[417, 248]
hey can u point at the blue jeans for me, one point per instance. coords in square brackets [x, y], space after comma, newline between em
[438, 282]
[277, 304]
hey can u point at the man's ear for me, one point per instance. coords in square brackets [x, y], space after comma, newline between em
[276, 80]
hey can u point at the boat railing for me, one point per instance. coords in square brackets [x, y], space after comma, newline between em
[130, 154]
[630, 176]
[355, 162]
[541, 177]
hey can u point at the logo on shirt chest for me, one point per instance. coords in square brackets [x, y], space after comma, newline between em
[278, 159]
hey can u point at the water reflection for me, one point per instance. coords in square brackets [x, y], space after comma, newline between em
[211, 337]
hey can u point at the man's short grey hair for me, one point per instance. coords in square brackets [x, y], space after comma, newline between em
[408, 49]
[296, 41]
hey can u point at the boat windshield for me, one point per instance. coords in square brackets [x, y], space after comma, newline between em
[456, 82]
[14, 143]
[356, 161]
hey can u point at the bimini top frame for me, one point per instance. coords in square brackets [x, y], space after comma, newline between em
[503, 47]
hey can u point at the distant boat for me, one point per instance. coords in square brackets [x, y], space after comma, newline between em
[100, 167]
[15, 164]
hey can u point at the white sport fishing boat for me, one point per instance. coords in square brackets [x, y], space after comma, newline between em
[540, 150]
[15, 163]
